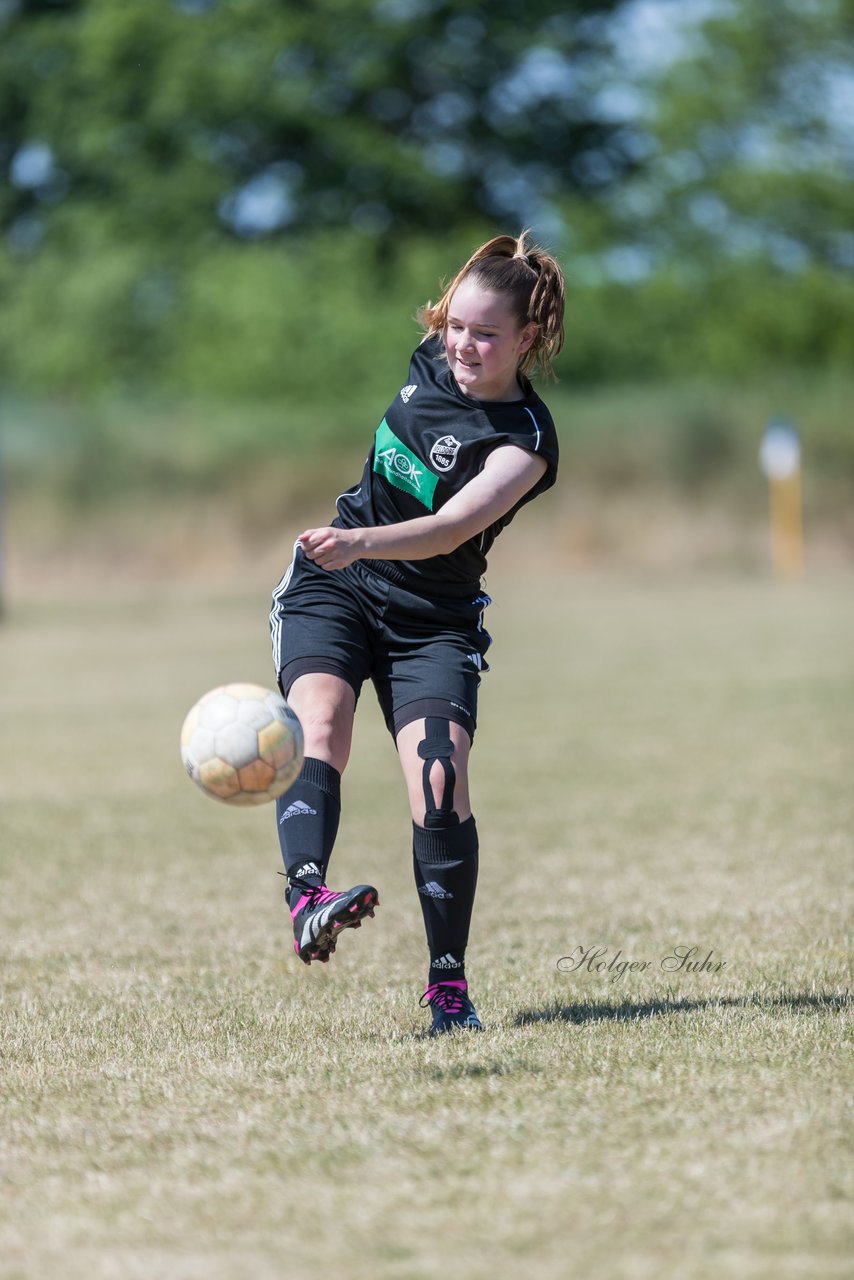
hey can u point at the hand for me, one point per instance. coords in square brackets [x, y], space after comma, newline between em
[330, 548]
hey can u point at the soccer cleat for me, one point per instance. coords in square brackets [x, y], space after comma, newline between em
[320, 914]
[451, 1007]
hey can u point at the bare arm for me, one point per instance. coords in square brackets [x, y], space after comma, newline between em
[508, 473]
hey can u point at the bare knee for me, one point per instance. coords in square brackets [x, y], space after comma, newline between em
[325, 705]
[321, 730]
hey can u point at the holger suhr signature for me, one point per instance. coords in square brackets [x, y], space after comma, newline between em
[681, 959]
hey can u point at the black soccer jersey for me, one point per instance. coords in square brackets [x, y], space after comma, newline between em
[432, 441]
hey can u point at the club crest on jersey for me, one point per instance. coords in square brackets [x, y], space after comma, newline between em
[443, 455]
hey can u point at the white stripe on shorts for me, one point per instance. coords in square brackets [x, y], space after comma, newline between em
[275, 617]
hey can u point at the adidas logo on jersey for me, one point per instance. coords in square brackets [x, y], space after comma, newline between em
[307, 869]
[298, 809]
[447, 961]
[408, 392]
[433, 890]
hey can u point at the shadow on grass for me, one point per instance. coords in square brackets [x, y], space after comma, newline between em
[629, 1010]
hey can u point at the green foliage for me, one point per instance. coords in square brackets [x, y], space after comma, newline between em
[751, 155]
[249, 201]
[315, 322]
[365, 112]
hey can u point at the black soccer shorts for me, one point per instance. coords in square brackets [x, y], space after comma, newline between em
[424, 655]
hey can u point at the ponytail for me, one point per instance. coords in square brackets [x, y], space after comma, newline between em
[530, 279]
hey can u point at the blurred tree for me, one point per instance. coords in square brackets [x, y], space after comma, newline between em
[371, 113]
[147, 141]
[752, 146]
[184, 176]
[730, 248]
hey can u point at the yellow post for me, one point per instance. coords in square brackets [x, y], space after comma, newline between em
[780, 459]
[787, 526]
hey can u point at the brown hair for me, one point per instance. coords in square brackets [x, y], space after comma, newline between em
[529, 278]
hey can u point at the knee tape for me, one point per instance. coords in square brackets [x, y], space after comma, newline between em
[436, 745]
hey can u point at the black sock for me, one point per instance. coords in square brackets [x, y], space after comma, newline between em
[445, 861]
[307, 819]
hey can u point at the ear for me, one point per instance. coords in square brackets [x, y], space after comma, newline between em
[529, 333]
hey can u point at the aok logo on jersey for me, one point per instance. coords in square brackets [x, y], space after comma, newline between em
[401, 467]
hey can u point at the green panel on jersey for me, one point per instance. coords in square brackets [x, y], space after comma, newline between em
[401, 467]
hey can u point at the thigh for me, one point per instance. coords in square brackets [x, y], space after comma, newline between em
[320, 624]
[408, 740]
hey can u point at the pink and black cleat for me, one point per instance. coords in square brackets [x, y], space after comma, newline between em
[320, 914]
[451, 1007]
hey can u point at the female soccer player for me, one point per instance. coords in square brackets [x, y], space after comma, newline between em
[391, 590]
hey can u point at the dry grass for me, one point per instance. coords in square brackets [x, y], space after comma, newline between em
[660, 762]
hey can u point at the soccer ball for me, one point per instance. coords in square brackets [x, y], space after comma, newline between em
[242, 744]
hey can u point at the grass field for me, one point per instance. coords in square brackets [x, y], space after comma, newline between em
[661, 763]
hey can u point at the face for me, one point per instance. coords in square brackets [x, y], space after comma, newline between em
[484, 343]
